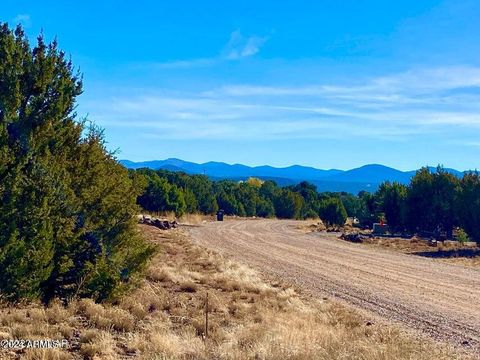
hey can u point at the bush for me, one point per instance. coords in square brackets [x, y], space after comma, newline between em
[67, 206]
[462, 236]
[310, 214]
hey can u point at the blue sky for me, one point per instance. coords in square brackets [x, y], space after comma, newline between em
[330, 84]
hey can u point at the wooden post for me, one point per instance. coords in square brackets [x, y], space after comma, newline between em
[206, 317]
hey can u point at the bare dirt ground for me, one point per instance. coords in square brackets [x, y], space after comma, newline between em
[438, 299]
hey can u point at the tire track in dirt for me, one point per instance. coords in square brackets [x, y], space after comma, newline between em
[441, 300]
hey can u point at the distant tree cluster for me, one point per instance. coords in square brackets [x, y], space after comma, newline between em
[66, 205]
[432, 202]
[178, 192]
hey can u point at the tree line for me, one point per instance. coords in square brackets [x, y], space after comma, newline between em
[177, 192]
[433, 201]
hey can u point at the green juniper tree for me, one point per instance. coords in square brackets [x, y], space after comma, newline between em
[332, 212]
[392, 198]
[468, 204]
[67, 206]
[288, 204]
[431, 200]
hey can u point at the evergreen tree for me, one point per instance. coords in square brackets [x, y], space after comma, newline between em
[369, 209]
[288, 204]
[155, 196]
[202, 187]
[353, 204]
[227, 203]
[67, 206]
[431, 201]
[191, 204]
[468, 204]
[247, 195]
[265, 208]
[332, 212]
[268, 190]
[310, 199]
[225, 191]
[392, 198]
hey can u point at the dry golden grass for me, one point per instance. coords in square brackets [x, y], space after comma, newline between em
[248, 318]
[194, 219]
[312, 225]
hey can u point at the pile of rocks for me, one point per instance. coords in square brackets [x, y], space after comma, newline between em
[162, 224]
[355, 237]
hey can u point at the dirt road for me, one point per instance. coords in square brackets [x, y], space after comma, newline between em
[439, 299]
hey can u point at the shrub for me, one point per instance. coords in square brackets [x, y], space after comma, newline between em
[462, 236]
[310, 214]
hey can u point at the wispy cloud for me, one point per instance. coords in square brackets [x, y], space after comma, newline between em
[240, 46]
[237, 47]
[184, 64]
[23, 19]
[389, 88]
[443, 102]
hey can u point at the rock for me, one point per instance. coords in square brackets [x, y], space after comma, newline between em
[354, 237]
[162, 224]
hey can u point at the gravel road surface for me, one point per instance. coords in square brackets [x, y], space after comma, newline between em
[438, 299]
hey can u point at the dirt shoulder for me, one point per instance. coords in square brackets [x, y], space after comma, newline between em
[438, 299]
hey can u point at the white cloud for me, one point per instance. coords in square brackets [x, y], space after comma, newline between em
[23, 19]
[402, 87]
[240, 46]
[237, 47]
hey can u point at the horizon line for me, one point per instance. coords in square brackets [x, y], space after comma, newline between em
[305, 166]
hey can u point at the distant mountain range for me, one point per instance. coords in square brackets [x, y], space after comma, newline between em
[367, 177]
